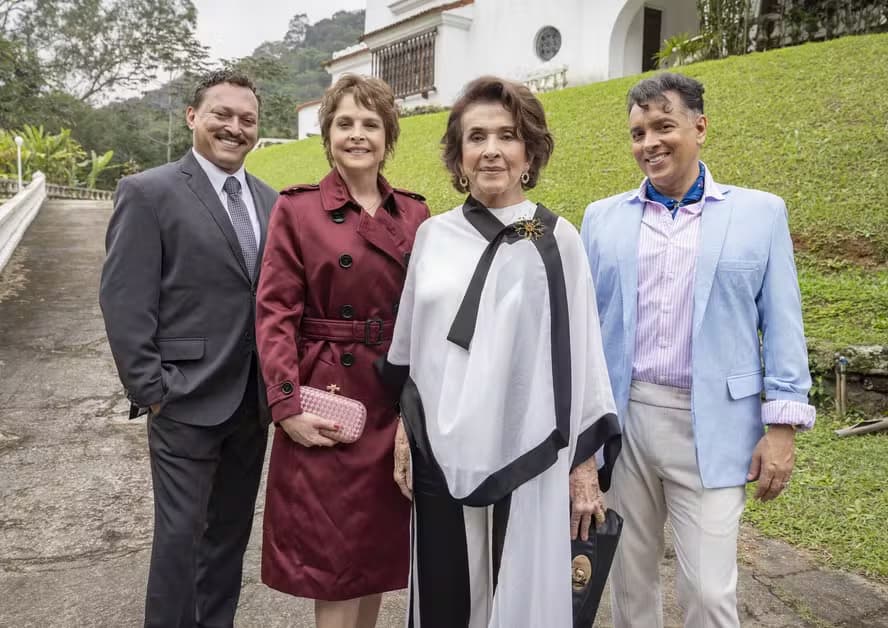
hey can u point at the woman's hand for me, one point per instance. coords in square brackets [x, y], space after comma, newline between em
[586, 499]
[310, 430]
[403, 475]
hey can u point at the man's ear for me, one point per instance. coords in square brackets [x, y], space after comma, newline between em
[701, 124]
[190, 114]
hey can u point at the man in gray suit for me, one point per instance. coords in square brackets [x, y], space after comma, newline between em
[178, 297]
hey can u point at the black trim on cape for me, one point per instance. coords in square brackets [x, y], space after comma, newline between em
[604, 432]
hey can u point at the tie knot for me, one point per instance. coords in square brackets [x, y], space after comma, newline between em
[232, 186]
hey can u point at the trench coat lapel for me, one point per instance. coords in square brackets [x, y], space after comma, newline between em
[384, 233]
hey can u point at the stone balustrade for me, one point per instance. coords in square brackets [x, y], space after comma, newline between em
[547, 80]
[75, 193]
[18, 212]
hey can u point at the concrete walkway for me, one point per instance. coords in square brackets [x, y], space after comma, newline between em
[75, 496]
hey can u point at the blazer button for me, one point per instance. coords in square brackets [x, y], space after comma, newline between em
[337, 216]
[347, 359]
[346, 311]
[287, 388]
[345, 260]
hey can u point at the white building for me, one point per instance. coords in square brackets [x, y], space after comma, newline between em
[427, 50]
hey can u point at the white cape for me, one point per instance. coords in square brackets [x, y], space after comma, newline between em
[486, 408]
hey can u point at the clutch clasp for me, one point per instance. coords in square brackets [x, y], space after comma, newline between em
[581, 572]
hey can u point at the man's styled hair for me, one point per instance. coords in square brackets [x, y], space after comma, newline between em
[369, 92]
[217, 77]
[530, 125]
[652, 90]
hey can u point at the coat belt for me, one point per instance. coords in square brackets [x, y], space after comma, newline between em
[373, 331]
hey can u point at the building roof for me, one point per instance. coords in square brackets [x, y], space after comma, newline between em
[438, 9]
[354, 53]
[302, 106]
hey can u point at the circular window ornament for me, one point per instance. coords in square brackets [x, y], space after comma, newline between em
[548, 42]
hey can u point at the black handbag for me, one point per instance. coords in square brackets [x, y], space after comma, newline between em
[590, 566]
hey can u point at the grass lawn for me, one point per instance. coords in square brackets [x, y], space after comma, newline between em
[809, 123]
[837, 503]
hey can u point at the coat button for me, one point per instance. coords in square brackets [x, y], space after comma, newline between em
[395, 309]
[287, 388]
[345, 260]
[346, 311]
[347, 359]
[337, 216]
[406, 259]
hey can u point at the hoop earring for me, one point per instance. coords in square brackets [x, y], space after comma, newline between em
[525, 178]
[464, 182]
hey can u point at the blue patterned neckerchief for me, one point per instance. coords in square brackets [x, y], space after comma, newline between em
[693, 195]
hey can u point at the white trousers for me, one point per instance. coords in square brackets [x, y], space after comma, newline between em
[657, 475]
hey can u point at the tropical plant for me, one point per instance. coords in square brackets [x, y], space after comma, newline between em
[96, 165]
[55, 155]
[58, 156]
[683, 49]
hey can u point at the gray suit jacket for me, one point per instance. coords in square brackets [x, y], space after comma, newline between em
[178, 303]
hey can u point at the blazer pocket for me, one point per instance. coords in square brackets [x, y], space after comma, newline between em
[181, 349]
[737, 265]
[741, 386]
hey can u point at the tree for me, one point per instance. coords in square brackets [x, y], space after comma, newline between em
[93, 47]
[296, 31]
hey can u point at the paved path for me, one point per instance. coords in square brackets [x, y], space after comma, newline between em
[75, 497]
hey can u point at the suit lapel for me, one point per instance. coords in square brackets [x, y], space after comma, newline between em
[262, 212]
[627, 255]
[716, 217]
[199, 183]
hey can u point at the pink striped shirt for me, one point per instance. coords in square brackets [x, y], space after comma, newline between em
[667, 264]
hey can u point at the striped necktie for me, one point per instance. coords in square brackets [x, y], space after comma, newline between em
[240, 219]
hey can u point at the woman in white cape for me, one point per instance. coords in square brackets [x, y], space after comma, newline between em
[504, 393]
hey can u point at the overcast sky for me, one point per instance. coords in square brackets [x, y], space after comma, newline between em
[233, 28]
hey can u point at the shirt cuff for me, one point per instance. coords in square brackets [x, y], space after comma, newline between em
[786, 412]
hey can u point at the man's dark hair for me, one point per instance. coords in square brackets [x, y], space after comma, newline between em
[217, 77]
[652, 89]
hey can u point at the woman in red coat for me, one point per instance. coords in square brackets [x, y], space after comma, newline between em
[336, 525]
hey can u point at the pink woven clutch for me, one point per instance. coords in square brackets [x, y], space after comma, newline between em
[349, 413]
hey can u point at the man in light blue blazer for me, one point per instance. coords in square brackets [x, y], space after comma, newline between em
[700, 314]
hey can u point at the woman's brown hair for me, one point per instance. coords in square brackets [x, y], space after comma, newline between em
[369, 92]
[530, 125]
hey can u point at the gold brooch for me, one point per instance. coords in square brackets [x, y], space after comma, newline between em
[581, 572]
[530, 229]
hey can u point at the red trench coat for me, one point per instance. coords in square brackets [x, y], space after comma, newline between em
[335, 526]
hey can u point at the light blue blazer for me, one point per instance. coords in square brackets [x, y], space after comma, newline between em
[747, 313]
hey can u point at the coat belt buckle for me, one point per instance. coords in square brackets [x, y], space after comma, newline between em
[369, 331]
